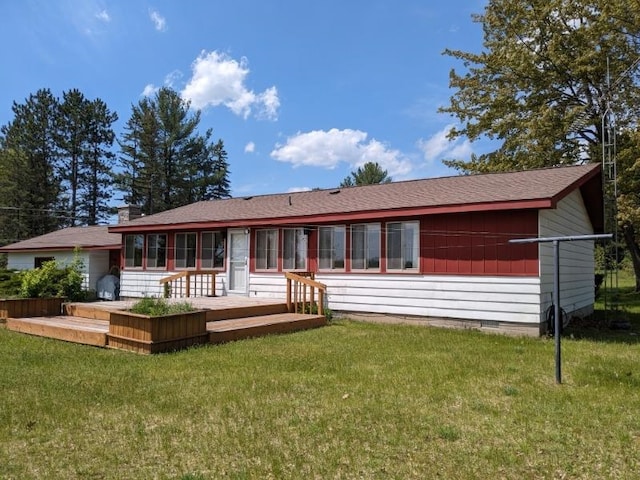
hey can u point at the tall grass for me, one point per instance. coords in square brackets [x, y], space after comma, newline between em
[351, 400]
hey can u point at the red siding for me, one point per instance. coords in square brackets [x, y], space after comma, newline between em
[477, 243]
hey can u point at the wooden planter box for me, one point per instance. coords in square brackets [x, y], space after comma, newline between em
[145, 334]
[30, 307]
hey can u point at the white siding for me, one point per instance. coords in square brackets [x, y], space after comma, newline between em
[96, 263]
[576, 258]
[507, 299]
[146, 283]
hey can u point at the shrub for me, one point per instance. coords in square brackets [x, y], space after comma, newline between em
[156, 307]
[53, 280]
[10, 282]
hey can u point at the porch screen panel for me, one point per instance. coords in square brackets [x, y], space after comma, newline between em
[156, 251]
[186, 250]
[294, 249]
[212, 250]
[267, 249]
[403, 245]
[133, 245]
[365, 247]
[331, 246]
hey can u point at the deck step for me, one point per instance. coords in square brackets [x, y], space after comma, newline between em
[70, 329]
[255, 326]
[230, 313]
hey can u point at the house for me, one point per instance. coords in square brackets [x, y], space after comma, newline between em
[435, 248]
[98, 250]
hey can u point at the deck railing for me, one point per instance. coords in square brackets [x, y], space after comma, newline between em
[301, 293]
[190, 283]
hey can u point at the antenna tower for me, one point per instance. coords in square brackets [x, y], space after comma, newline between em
[610, 187]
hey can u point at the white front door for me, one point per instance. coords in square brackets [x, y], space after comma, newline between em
[238, 262]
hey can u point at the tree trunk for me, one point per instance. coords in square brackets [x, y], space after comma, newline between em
[628, 231]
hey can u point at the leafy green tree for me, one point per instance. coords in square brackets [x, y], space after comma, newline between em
[542, 83]
[371, 173]
[29, 191]
[166, 163]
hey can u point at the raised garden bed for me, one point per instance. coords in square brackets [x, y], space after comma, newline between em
[146, 334]
[30, 307]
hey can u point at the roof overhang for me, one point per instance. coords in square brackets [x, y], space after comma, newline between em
[339, 217]
[59, 249]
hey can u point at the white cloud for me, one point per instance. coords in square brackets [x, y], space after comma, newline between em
[299, 189]
[328, 149]
[149, 90]
[159, 22]
[171, 79]
[250, 147]
[218, 79]
[439, 147]
[104, 16]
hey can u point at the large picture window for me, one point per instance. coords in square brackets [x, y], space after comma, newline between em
[133, 245]
[186, 250]
[402, 245]
[267, 249]
[156, 250]
[212, 250]
[294, 254]
[331, 248]
[365, 246]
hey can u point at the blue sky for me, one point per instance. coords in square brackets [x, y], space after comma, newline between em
[301, 93]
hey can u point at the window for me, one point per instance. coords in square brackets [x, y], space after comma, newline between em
[294, 249]
[133, 250]
[331, 247]
[267, 249]
[402, 245]
[212, 254]
[365, 246]
[38, 261]
[186, 250]
[156, 250]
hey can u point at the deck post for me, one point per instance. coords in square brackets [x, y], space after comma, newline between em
[289, 295]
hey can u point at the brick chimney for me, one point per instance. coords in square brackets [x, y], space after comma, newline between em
[128, 212]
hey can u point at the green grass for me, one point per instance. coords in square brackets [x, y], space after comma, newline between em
[350, 400]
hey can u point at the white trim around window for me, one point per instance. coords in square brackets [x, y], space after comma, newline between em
[267, 249]
[365, 246]
[331, 248]
[186, 247]
[403, 245]
[133, 250]
[157, 250]
[294, 249]
[212, 250]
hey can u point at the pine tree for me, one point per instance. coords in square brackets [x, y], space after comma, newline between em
[96, 176]
[72, 140]
[30, 194]
[165, 163]
[371, 173]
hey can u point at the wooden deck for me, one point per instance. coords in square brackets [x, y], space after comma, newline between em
[227, 319]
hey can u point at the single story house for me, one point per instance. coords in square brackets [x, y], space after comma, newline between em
[97, 248]
[435, 248]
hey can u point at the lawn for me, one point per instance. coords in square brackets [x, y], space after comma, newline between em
[351, 400]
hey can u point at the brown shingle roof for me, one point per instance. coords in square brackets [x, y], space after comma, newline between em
[457, 193]
[95, 237]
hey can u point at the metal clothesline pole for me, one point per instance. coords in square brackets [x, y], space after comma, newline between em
[556, 284]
